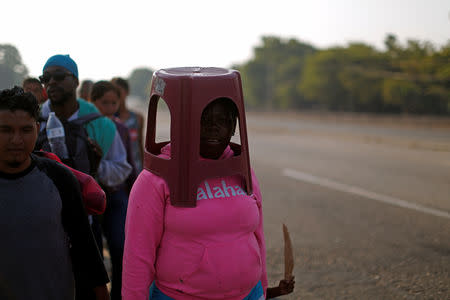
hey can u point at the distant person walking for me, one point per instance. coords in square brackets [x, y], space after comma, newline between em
[85, 89]
[105, 96]
[34, 86]
[133, 120]
[47, 244]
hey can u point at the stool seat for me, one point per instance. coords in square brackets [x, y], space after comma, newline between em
[187, 91]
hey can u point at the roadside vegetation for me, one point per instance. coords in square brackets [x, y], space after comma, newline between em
[289, 75]
[413, 78]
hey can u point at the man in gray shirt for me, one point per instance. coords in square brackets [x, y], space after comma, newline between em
[47, 244]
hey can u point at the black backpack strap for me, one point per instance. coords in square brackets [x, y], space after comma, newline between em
[42, 119]
[81, 154]
[80, 122]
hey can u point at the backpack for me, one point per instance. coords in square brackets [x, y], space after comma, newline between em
[94, 198]
[82, 156]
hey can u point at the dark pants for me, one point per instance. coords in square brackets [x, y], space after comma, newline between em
[97, 232]
[113, 226]
[82, 292]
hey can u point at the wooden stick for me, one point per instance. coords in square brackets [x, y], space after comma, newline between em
[288, 254]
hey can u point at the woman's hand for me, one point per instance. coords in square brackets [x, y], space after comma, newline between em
[284, 287]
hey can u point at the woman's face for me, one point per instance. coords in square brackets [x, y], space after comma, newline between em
[108, 104]
[217, 128]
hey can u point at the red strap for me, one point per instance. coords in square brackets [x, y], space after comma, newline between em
[94, 198]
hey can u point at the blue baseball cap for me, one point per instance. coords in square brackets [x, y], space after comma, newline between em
[62, 61]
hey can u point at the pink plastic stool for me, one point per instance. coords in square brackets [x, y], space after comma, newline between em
[187, 91]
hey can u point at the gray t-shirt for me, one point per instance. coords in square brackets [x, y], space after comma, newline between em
[35, 252]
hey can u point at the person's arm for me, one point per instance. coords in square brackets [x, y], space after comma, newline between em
[285, 286]
[133, 174]
[141, 136]
[259, 233]
[143, 233]
[114, 168]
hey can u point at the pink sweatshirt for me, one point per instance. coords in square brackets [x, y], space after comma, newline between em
[213, 251]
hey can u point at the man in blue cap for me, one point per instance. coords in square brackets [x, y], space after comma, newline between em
[60, 79]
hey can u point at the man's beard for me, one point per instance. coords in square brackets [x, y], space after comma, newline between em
[65, 96]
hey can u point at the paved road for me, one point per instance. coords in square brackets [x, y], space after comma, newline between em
[369, 216]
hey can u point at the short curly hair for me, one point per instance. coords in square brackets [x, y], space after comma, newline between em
[16, 99]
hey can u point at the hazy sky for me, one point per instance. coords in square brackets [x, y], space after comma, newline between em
[111, 38]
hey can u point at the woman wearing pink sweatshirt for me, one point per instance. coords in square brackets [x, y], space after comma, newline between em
[213, 251]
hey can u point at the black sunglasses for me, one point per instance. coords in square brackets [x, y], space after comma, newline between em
[57, 75]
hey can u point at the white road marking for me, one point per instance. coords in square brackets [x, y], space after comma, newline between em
[362, 192]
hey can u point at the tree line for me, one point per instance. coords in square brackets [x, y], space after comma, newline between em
[288, 74]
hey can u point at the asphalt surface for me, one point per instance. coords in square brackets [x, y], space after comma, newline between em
[349, 243]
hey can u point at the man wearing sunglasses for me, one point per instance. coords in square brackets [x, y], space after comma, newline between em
[60, 80]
